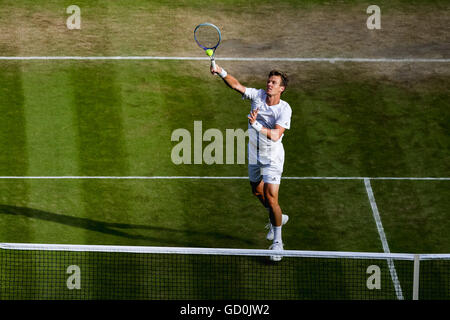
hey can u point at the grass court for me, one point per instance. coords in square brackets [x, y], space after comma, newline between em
[115, 119]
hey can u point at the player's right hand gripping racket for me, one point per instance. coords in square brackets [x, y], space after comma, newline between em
[208, 38]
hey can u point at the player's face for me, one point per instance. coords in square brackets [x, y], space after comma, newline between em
[274, 86]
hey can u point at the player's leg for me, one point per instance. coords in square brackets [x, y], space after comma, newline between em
[272, 180]
[271, 197]
[258, 191]
[276, 217]
[257, 183]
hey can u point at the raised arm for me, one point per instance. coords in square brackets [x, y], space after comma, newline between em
[231, 81]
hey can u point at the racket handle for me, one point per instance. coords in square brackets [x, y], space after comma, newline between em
[213, 63]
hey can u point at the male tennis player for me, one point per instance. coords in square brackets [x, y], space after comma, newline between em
[268, 119]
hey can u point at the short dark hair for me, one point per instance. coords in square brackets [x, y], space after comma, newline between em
[284, 77]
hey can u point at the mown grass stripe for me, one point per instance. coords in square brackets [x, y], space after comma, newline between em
[13, 153]
[97, 104]
[52, 146]
[51, 127]
[13, 156]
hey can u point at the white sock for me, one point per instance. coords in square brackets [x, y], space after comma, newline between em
[276, 234]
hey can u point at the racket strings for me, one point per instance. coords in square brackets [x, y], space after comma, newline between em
[207, 36]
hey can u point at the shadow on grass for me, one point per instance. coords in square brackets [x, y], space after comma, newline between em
[111, 228]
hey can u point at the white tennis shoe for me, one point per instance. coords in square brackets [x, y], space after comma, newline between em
[284, 220]
[277, 246]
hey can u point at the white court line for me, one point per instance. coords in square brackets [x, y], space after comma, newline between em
[306, 59]
[220, 178]
[376, 216]
[362, 178]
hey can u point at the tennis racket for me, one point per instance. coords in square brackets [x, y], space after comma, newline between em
[208, 38]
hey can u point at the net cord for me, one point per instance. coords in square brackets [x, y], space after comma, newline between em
[219, 251]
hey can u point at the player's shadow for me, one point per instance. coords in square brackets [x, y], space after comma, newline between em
[111, 227]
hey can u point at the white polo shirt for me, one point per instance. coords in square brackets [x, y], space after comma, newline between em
[262, 148]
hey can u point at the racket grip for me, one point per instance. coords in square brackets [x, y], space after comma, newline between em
[213, 63]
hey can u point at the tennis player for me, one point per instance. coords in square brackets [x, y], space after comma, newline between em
[268, 119]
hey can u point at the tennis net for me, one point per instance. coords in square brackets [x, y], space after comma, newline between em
[84, 272]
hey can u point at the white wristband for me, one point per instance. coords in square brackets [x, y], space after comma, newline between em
[223, 74]
[257, 126]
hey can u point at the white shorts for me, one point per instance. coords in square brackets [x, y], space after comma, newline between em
[268, 165]
[269, 173]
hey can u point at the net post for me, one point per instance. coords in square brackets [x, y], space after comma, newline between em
[416, 277]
